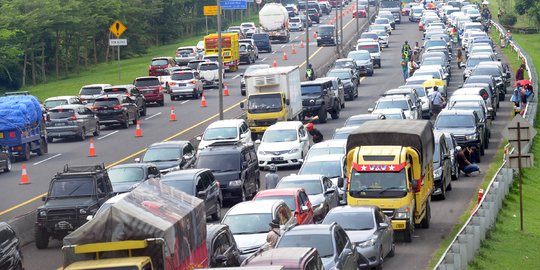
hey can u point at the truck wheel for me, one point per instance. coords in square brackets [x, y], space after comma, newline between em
[42, 148]
[26, 152]
[143, 112]
[478, 156]
[135, 119]
[322, 116]
[482, 149]
[8, 165]
[41, 238]
[161, 103]
[425, 222]
[408, 233]
[335, 113]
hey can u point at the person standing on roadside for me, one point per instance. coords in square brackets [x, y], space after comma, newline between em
[412, 66]
[404, 67]
[459, 57]
[271, 178]
[436, 102]
[520, 73]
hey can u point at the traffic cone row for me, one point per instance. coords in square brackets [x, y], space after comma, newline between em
[138, 131]
[285, 55]
[172, 117]
[92, 150]
[293, 51]
[315, 35]
[226, 90]
[275, 63]
[24, 176]
[203, 101]
[301, 44]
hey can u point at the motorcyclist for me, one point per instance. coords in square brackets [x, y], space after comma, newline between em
[310, 73]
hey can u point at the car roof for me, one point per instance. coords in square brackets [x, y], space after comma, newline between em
[388, 111]
[457, 112]
[393, 97]
[174, 175]
[330, 143]
[311, 229]
[60, 98]
[363, 116]
[147, 77]
[285, 125]
[321, 158]
[161, 57]
[168, 144]
[295, 177]
[226, 123]
[67, 106]
[345, 129]
[290, 257]
[96, 85]
[132, 165]
[187, 47]
[128, 86]
[353, 209]
[254, 207]
[278, 192]
[111, 96]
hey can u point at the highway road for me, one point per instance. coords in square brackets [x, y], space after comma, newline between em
[116, 146]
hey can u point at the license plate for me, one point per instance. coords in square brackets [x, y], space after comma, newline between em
[277, 158]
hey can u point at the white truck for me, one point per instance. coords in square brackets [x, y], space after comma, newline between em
[274, 20]
[273, 94]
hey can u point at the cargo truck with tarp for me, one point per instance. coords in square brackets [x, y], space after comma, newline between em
[230, 49]
[22, 127]
[155, 226]
[390, 165]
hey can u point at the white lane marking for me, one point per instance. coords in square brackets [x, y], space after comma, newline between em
[184, 102]
[296, 37]
[47, 159]
[235, 77]
[264, 59]
[152, 116]
[283, 46]
[103, 137]
[274, 52]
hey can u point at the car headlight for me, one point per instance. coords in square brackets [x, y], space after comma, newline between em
[235, 183]
[43, 213]
[262, 152]
[292, 151]
[368, 243]
[437, 173]
[472, 136]
[403, 213]
[82, 211]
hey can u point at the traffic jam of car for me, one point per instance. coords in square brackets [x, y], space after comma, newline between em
[338, 210]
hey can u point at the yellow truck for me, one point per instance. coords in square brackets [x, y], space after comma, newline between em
[229, 49]
[390, 165]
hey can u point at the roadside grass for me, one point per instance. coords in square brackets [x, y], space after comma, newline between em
[522, 20]
[108, 72]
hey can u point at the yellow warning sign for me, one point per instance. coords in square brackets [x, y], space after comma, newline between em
[117, 28]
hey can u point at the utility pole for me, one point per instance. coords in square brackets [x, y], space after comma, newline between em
[356, 17]
[337, 25]
[307, 35]
[341, 23]
[220, 60]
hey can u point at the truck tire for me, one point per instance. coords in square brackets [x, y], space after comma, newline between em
[41, 238]
[322, 115]
[425, 222]
[8, 165]
[27, 152]
[408, 234]
[97, 131]
[42, 148]
[335, 113]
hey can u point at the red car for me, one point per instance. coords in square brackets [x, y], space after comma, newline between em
[151, 89]
[159, 64]
[362, 12]
[295, 198]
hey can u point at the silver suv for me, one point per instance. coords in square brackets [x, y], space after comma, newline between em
[71, 121]
[185, 84]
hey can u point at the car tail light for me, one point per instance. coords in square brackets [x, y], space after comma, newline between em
[160, 88]
[12, 134]
[73, 117]
[172, 83]
[193, 81]
[117, 107]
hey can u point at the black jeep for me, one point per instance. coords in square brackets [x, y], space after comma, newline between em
[74, 194]
[318, 99]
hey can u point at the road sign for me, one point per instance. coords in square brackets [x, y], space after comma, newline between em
[527, 132]
[526, 161]
[118, 42]
[211, 10]
[233, 4]
[117, 28]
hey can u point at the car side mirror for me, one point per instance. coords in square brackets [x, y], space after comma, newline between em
[329, 191]
[221, 258]
[198, 138]
[138, 160]
[370, 110]
[287, 102]
[346, 252]
[88, 218]
[304, 209]
[201, 195]
[414, 185]
[340, 182]
[241, 105]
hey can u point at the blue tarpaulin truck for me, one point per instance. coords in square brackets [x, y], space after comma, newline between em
[22, 128]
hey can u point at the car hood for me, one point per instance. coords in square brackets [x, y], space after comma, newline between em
[166, 164]
[316, 199]
[249, 241]
[458, 131]
[70, 202]
[359, 236]
[226, 176]
[278, 146]
[363, 62]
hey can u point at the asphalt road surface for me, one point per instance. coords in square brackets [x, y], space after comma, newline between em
[117, 146]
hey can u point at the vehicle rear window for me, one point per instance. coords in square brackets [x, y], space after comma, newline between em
[369, 35]
[147, 82]
[106, 102]
[185, 51]
[182, 76]
[260, 37]
[54, 103]
[61, 113]
[220, 162]
[369, 48]
[295, 20]
[91, 91]
[115, 90]
[160, 62]
[208, 67]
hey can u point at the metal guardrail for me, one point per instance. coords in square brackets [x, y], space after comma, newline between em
[466, 243]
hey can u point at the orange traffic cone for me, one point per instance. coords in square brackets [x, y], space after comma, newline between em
[293, 50]
[203, 101]
[24, 176]
[138, 131]
[92, 151]
[226, 90]
[285, 55]
[275, 63]
[315, 35]
[172, 117]
[301, 44]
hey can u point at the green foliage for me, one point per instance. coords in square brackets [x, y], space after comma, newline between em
[508, 19]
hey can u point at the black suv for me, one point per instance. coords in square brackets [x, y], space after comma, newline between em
[199, 183]
[235, 166]
[466, 127]
[326, 35]
[74, 194]
[116, 109]
[11, 257]
[170, 156]
[318, 99]
[133, 92]
[222, 248]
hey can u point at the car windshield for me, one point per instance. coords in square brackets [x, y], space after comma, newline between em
[472, 62]
[479, 110]
[473, 12]
[326, 30]
[344, 75]
[106, 102]
[432, 61]
[329, 169]
[248, 223]
[377, 181]
[91, 91]
[485, 71]
[289, 200]
[393, 115]
[280, 135]
[312, 187]
[435, 74]
[208, 67]
[454, 121]
[311, 90]
[126, 174]
[185, 185]
[72, 187]
[344, 64]
[322, 242]
[359, 55]
[433, 43]
[264, 103]
[356, 122]
[351, 221]
[314, 152]
[162, 154]
[229, 162]
[370, 48]
[377, 27]
[54, 103]
[61, 113]
[370, 36]
[390, 104]
[381, 21]
[147, 82]
[182, 76]
[220, 133]
[342, 134]
[160, 62]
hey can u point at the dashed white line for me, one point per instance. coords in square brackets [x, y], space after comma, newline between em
[184, 102]
[296, 37]
[47, 159]
[274, 52]
[235, 77]
[103, 137]
[264, 59]
[152, 116]
[283, 46]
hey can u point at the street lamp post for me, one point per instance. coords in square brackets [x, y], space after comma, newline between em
[341, 23]
[307, 35]
[220, 61]
[337, 25]
[357, 21]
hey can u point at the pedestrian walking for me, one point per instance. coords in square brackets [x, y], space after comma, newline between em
[459, 57]
[437, 101]
[271, 178]
[520, 73]
[404, 67]
[412, 66]
[273, 235]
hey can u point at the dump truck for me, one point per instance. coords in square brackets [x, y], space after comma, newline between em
[22, 127]
[274, 20]
[229, 49]
[390, 165]
[155, 226]
[273, 94]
